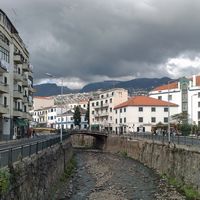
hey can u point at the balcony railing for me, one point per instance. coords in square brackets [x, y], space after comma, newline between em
[17, 112]
[4, 109]
[4, 88]
[18, 77]
[17, 94]
[18, 59]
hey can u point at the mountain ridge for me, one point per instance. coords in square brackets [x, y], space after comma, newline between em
[143, 84]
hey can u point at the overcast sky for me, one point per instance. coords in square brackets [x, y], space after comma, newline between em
[94, 40]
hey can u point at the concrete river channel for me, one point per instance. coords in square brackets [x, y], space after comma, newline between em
[104, 176]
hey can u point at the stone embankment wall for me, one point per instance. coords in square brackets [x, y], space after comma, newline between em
[33, 178]
[180, 162]
[81, 140]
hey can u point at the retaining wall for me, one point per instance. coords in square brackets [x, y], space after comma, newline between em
[180, 162]
[33, 178]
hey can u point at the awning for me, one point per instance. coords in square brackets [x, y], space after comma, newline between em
[21, 122]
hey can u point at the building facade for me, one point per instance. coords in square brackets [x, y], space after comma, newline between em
[16, 82]
[186, 93]
[102, 108]
[68, 120]
[141, 113]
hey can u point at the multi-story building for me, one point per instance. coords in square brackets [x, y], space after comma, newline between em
[186, 93]
[102, 108]
[141, 113]
[40, 117]
[16, 82]
[68, 120]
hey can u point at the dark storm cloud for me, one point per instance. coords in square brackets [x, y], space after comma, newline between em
[108, 38]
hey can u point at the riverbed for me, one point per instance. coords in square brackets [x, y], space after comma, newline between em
[104, 176]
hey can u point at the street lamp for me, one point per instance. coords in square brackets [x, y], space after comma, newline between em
[169, 138]
[61, 92]
[192, 107]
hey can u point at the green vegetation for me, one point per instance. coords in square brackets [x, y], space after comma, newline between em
[190, 192]
[77, 116]
[4, 181]
[69, 170]
[123, 154]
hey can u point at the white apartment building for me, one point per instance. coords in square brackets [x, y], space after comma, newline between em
[16, 82]
[186, 93]
[68, 120]
[102, 108]
[52, 114]
[141, 113]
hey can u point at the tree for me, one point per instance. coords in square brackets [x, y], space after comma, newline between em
[77, 116]
[87, 115]
[181, 117]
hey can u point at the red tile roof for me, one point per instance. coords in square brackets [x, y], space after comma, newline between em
[169, 86]
[144, 101]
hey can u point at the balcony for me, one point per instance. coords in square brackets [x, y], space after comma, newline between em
[25, 81]
[27, 115]
[31, 89]
[17, 113]
[25, 67]
[4, 88]
[30, 74]
[102, 114]
[18, 77]
[3, 66]
[17, 94]
[18, 59]
[4, 109]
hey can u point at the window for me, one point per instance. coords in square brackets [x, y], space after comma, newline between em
[115, 111]
[110, 109]
[112, 93]
[102, 96]
[106, 101]
[199, 94]
[110, 118]
[160, 97]
[165, 119]
[97, 103]
[93, 112]
[5, 80]
[120, 120]
[165, 109]
[153, 119]
[198, 104]
[5, 102]
[51, 117]
[120, 110]
[110, 100]
[92, 104]
[170, 97]
[198, 114]
[140, 119]
[153, 109]
[52, 110]
[140, 109]
[4, 54]
[116, 121]
[124, 109]
[124, 119]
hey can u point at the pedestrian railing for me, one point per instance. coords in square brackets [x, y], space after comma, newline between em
[174, 139]
[12, 154]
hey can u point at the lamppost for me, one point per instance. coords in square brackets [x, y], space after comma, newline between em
[192, 107]
[61, 92]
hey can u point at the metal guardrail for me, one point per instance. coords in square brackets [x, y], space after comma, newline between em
[174, 139]
[12, 154]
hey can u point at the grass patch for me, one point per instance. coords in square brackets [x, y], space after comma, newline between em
[4, 181]
[69, 169]
[189, 191]
[124, 154]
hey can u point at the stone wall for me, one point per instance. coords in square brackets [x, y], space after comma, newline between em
[180, 162]
[33, 178]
